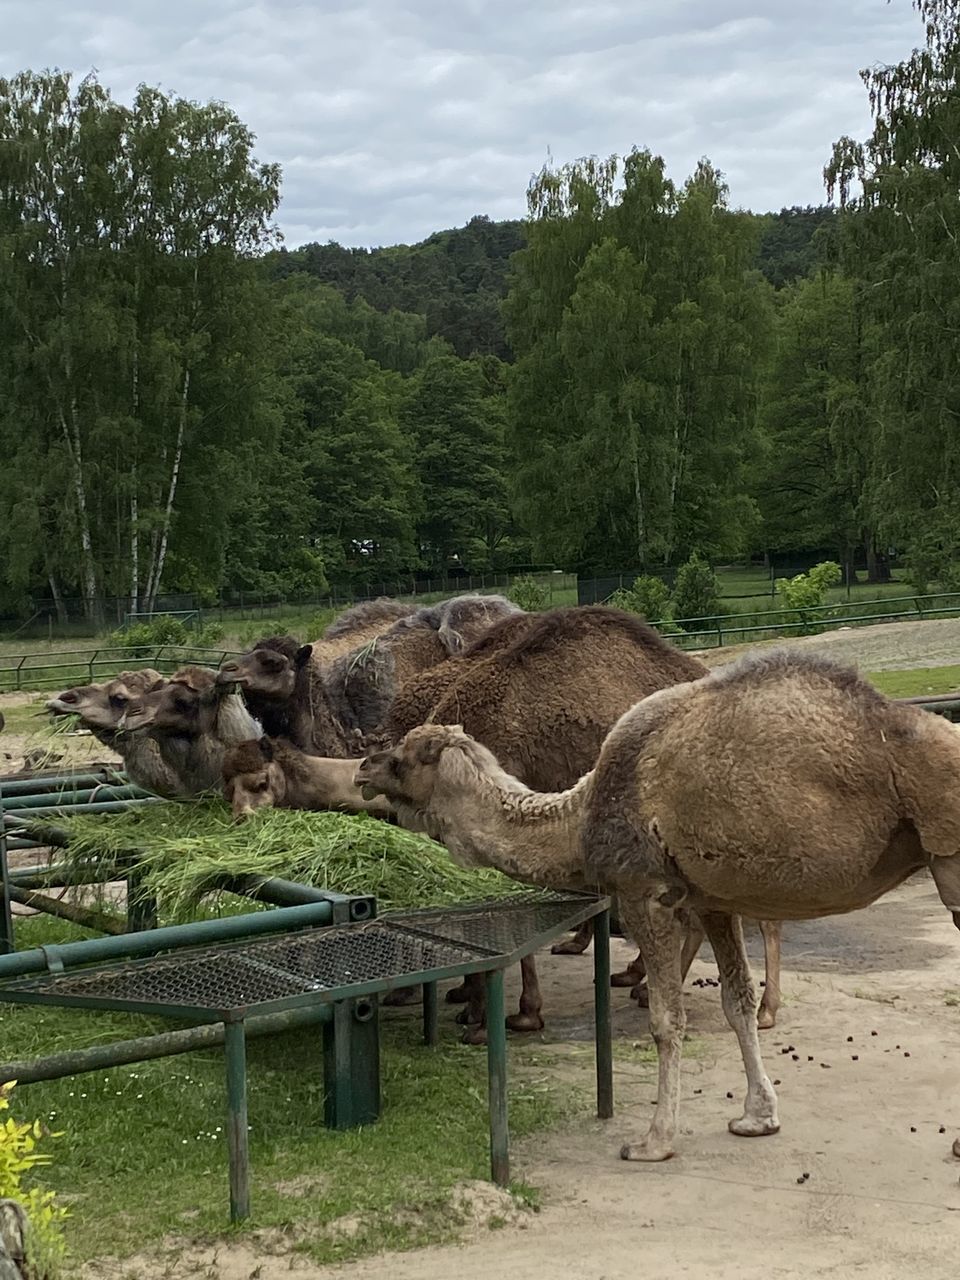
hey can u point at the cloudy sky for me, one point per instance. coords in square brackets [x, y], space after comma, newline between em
[395, 118]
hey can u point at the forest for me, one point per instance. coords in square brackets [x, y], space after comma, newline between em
[634, 372]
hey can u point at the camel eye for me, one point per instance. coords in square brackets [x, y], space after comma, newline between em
[262, 785]
[119, 700]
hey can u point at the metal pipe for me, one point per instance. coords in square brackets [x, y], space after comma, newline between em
[237, 1138]
[601, 1006]
[108, 806]
[497, 1079]
[86, 917]
[60, 875]
[199, 933]
[88, 795]
[61, 781]
[119, 1053]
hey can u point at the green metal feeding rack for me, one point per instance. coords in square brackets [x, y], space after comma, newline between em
[331, 975]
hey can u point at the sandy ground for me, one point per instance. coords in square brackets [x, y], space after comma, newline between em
[882, 1200]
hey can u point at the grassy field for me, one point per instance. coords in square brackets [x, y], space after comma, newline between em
[143, 1155]
[912, 684]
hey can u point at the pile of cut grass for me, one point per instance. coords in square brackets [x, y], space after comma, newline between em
[184, 849]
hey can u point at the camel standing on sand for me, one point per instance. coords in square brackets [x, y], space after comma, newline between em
[101, 707]
[193, 722]
[542, 691]
[782, 786]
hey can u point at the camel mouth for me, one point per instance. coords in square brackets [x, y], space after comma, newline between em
[232, 679]
[368, 790]
[55, 707]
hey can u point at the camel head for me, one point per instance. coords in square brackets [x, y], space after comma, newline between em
[268, 671]
[251, 777]
[430, 770]
[177, 708]
[102, 706]
[464, 619]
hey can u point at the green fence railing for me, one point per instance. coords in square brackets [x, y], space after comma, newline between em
[68, 667]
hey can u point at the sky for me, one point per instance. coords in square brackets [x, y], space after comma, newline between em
[392, 119]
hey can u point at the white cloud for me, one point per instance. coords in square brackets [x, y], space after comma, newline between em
[394, 119]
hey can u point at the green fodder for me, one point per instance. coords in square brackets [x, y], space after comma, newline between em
[185, 850]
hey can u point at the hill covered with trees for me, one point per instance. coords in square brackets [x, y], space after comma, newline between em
[634, 372]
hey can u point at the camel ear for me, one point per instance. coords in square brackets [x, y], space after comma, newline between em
[157, 684]
[266, 748]
[429, 751]
[302, 656]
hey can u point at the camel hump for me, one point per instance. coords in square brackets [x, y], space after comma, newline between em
[927, 770]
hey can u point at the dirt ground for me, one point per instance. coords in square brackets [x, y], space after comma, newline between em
[872, 1013]
[882, 1199]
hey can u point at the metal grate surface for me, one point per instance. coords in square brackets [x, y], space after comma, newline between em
[219, 978]
[495, 928]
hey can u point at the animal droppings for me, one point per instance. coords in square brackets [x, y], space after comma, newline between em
[849, 1039]
[800, 1182]
[825, 1065]
[942, 1129]
[873, 1033]
[913, 1128]
[795, 1056]
[698, 1091]
[809, 1057]
[805, 1176]
[729, 1095]
[906, 1055]
[776, 1082]
[855, 1057]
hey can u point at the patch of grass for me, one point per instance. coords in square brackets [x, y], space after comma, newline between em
[143, 1150]
[916, 681]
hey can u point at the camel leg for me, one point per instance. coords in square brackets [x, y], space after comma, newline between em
[576, 945]
[691, 945]
[458, 995]
[772, 931]
[740, 1006]
[531, 999]
[659, 935]
[946, 876]
[403, 995]
[473, 1015]
[631, 976]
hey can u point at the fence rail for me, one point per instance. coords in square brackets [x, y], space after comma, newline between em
[75, 666]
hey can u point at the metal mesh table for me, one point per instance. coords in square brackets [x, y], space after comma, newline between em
[337, 971]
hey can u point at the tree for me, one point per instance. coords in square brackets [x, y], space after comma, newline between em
[900, 190]
[453, 416]
[129, 359]
[640, 333]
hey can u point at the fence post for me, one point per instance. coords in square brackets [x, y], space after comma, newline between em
[19, 665]
[92, 661]
[917, 606]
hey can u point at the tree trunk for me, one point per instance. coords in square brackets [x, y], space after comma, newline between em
[134, 543]
[878, 570]
[154, 588]
[57, 598]
[88, 573]
[638, 496]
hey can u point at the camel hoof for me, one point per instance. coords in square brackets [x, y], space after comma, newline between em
[457, 995]
[650, 1150]
[754, 1126]
[405, 995]
[474, 1035]
[641, 995]
[623, 979]
[569, 947]
[525, 1022]
[956, 1147]
[766, 1018]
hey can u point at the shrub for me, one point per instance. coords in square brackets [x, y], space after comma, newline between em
[934, 557]
[528, 594]
[807, 590]
[145, 637]
[18, 1156]
[648, 596]
[696, 592]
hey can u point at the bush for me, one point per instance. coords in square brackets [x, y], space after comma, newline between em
[18, 1156]
[649, 596]
[807, 590]
[696, 592]
[934, 557]
[145, 637]
[528, 594]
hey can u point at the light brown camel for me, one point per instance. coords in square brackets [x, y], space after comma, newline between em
[193, 722]
[782, 786]
[542, 691]
[101, 707]
[269, 772]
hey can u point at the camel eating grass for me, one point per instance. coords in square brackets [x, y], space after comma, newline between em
[781, 787]
[270, 773]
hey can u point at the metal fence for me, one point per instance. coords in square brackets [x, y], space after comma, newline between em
[71, 667]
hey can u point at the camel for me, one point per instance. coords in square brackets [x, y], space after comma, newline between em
[363, 684]
[269, 772]
[101, 708]
[782, 786]
[194, 722]
[542, 691]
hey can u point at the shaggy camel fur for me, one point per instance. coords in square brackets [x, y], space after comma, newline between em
[363, 684]
[357, 627]
[284, 688]
[542, 691]
[101, 707]
[782, 786]
[194, 722]
[268, 772]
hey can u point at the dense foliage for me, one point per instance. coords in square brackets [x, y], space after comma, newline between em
[636, 374]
